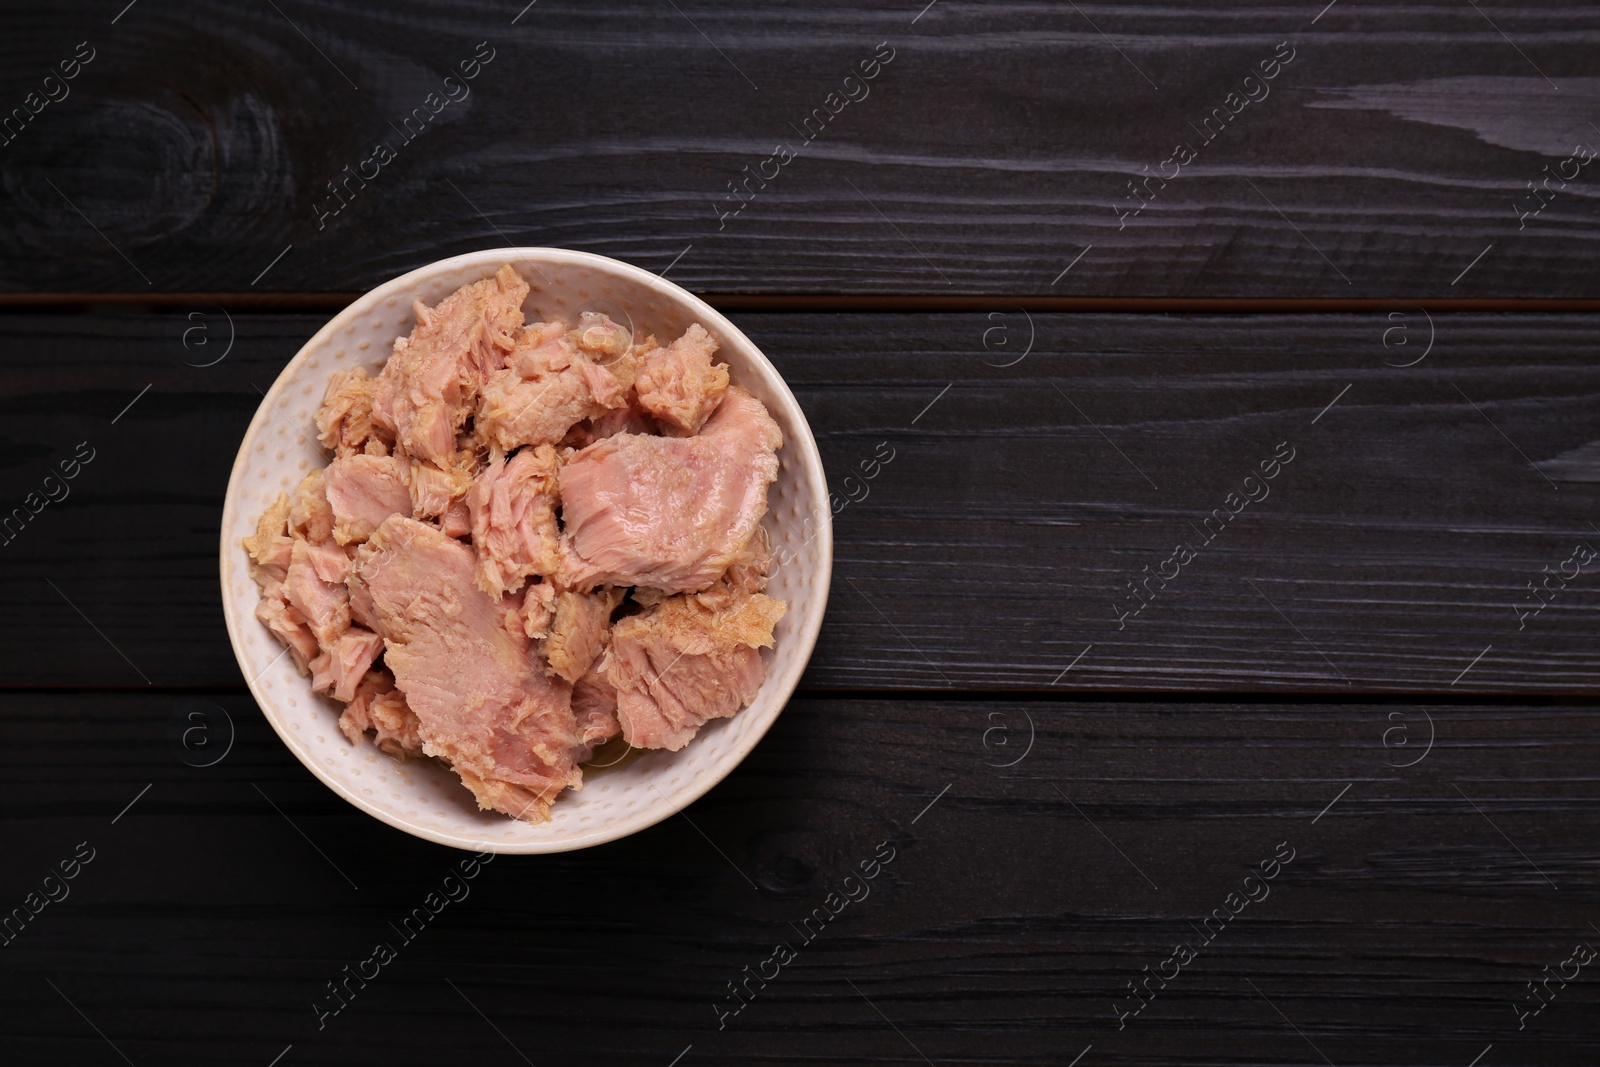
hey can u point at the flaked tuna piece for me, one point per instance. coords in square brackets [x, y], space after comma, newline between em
[509, 609]
[363, 491]
[330, 562]
[271, 544]
[668, 513]
[322, 673]
[629, 418]
[287, 624]
[355, 655]
[748, 573]
[457, 519]
[324, 605]
[548, 385]
[538, 609]
[682, 663]
[344, 421]
[605, 387]
[680, 385]
[741, 418]
[604, 341]
[430, 384]
[579, 630]
[433, 489]
[361, 608]
[339, 670]
[513, 508]
[610, 358]
[528, 611]
[310, 516]
[482, 701]
[380, 707]
[594, 706]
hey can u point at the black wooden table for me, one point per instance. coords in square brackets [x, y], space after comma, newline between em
[1159, 762]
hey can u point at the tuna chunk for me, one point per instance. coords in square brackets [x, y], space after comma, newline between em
[579, 630]
[430, 384]
[513, 508]
[604, 341]
[344, 422]
[749, 570]
[340, 669]
[483, 703]
[683, 663]
[310, 516]
[629, 418]
[324, 605]
[457, 519]
[380, 707]
[668, 513]
[328, 561]
[361, 608]
[287, 624]
[363, 491]
[538, 609]
[680, 385]
[549, 384]
[594, 705]
[271, 543]
[434, 489]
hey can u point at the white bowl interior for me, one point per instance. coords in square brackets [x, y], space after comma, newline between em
[422, 797]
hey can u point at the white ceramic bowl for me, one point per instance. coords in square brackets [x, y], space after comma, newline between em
[421, 797]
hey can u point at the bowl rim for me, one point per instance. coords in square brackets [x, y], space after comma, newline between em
[801, 446]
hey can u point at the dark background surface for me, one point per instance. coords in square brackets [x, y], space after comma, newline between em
[1348, 673]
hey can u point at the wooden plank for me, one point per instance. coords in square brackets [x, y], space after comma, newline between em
[1391, 156]
[994, 548]
[1034, 502]
[1019, 903]
[1018, 503]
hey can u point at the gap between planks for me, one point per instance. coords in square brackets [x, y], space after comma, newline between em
[863, 303]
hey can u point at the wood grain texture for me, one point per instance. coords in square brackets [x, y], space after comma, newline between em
[1015, 910]
[997, 542]
[1394, 549]
[999, 144]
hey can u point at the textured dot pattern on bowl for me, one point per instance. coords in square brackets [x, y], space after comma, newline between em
[422, 797]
